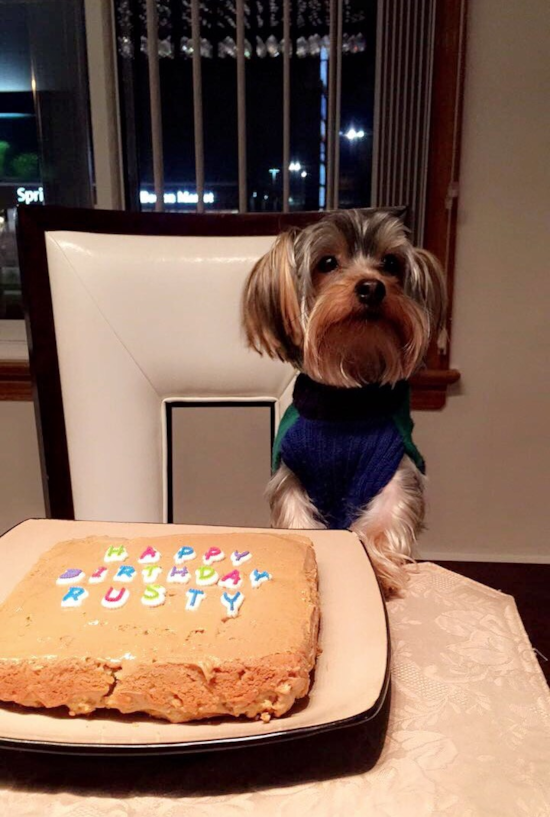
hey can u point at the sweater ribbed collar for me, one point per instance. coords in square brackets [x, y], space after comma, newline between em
[317, 401]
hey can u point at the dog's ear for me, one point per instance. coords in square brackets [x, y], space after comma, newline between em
[271, 308]
[431, 288]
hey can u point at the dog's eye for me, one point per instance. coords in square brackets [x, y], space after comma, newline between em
[391, 264]
[328, 263]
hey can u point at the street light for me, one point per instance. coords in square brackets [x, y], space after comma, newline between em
[353, 134]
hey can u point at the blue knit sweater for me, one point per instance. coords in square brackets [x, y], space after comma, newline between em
[345, 445]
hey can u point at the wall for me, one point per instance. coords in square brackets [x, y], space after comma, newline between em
[20, 482]
[488, 451]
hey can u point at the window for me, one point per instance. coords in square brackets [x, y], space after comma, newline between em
[19, 172]
[363, 108]
[43, 89]
[265, 98]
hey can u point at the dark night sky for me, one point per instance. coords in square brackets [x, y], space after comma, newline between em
[264, 120]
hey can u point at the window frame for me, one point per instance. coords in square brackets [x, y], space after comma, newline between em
[442, 189]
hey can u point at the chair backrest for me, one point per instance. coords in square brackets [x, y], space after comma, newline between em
[134, 323]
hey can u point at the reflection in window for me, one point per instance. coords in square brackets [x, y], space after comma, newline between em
[19, 171]
[44, 127]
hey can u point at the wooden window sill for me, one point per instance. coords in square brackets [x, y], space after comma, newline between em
[429, 387]
[15, 380]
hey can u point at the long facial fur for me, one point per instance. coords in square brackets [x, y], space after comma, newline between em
[271, 311]
[313, 320]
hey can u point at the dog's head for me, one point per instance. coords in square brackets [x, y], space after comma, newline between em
[348, 300]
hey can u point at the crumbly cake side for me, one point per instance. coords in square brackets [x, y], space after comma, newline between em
[168, 643]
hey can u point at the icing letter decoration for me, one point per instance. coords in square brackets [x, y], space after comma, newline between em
[239, 558]
[149, 556]
[232, 603]
[151, 573]
[154, 595]
[184, 554]
[257, 578]
[194, 598]
[206, 575]
[74, 597]
[70, 576]
[116, 554]
[213, 555]
[98, 575]
[232, 579]
[180, 575]
[125, 573]
[115, 598]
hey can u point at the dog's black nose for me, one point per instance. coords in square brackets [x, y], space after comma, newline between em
[370, 292]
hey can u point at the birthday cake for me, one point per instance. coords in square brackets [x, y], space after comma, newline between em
[180, 627]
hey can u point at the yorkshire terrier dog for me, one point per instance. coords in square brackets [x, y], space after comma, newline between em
[352, 305]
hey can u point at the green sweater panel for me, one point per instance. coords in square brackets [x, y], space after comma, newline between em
[288, 419]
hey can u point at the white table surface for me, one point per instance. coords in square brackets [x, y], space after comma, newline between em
[469, 736]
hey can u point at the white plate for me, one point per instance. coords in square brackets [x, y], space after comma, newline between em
[351, 674]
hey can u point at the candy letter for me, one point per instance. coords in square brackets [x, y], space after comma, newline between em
[70, 576]
[116, 554]
[206, 575]
[194, 598]
[74, 597]
[232, 579]
[115, 598]
[184, 554]
[154, 595]
[98, 575]
[232, 603]
[179, 574]
[257, 578]
[151, 573]
[238, 558]
[149, 556]
[125, 573]
[213, 555]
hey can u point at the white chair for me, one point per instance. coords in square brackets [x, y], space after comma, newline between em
[149, 406]
[132, 320]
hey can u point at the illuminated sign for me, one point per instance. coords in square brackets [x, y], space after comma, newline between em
[27, 196]
[179, 197]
